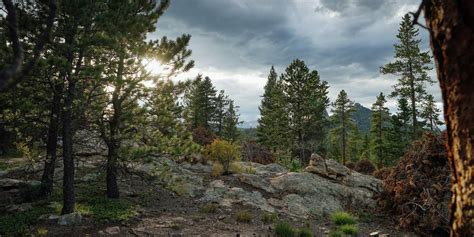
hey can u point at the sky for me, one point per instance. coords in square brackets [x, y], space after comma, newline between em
[235, 43]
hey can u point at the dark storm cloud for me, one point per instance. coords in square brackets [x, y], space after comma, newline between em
[236, 41]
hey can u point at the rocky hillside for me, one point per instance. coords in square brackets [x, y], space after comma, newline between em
[183, 199]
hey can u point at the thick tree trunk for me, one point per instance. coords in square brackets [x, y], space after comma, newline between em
[112, 187]
[52, 143]
[451, 25]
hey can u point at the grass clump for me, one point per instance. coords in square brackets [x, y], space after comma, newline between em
[343, 218]
[284, 230]
[209, 208]
[217, 169]
[305, 232]
[336, 233]
[244, 216]
[223, 152]
[349, 229]
[269, 217]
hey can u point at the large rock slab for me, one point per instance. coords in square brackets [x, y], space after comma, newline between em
[224, 195]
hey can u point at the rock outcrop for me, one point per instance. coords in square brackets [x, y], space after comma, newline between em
[316, 192]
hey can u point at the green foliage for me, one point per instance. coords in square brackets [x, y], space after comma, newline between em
[342, 218]
[379, 132]
[411, 66]
[268, 217]
[244, 216]
[103, 209]
[349, 229]
[209, 208]
[305, 232]
[223, 152]
[343, 108]
[296, 166]
[430, 114]
[18, 224]
[284, 230]
[336, 233]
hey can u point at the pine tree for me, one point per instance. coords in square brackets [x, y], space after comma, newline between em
[266, 121]
[201, 103]
[379, 131]
[342, 109]
[306, 101]
[430, 114]
[221, 103]
[355, 144]
[411, 65]
[230, 131]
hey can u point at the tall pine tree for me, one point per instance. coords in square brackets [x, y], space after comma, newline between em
[306, 101]
[343, 107]
[380, 125]
[411, 65]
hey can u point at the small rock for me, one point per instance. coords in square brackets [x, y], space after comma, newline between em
[112, 230]
[70, 219]
[221, 217]
[374, 234]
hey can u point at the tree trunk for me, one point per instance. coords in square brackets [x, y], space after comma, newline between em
[52, 143]
[413, 103]
[112, 187]
[451, 25]
[69, 197]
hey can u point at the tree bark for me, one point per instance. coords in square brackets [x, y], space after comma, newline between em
[69, 197]
[52, 143]
[451, 25]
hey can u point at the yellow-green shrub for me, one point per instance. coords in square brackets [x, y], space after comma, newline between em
[223, 152]
[217, 169]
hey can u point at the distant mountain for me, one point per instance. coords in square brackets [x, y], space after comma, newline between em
[362, 117]
[248, 124]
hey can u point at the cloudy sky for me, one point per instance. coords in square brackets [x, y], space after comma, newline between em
[235, 42]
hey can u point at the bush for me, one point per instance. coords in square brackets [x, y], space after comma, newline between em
[217, 169]
[203, 136]
[223, 152]
[305, 232]
[296, 166]
[342, 218]
[349, 229]
[382, 173]
[209, 208]
[364, 167]
[269, 217]
[254, 152]
[350, 165]
[18, 224]
[336, 233]
[284, 230]
[243, 216]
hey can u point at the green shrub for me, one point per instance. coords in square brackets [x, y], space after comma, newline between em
[269, 217]
[305, 232]
[223, 152]
[104, 209]
[296, 166]
[349, 229]
[243, 216]
[209, 208]
[342, 218]
[336, 233]
[284, 230]
[217, 169]
[18, 224]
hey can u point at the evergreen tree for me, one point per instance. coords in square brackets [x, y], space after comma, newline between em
[221, 103]
[342, 109]
[430, 114]
[379, 131]
[306, 101]
[230, 122]
[355, 144]
[201, 103]
[411, 65]
[266, 121]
